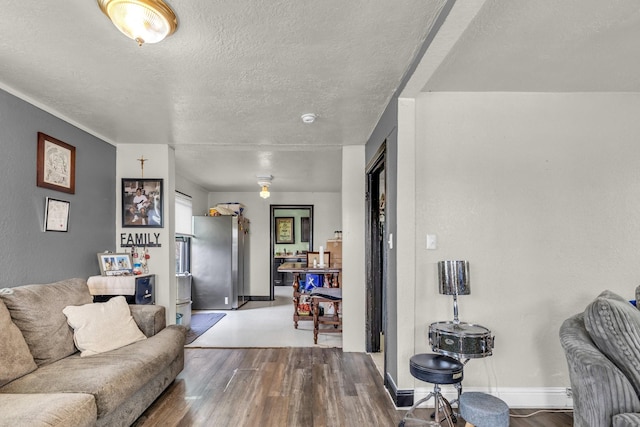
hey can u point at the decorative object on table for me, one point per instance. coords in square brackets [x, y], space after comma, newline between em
[56, 215]
[319, 260]
[56, 168]
[285, 232]
[112, 264]
[140, 258]
[145, 260]
[142, 203]
[453, 279]
[145, 21]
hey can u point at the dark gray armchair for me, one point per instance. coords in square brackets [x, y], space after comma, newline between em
[601, 345]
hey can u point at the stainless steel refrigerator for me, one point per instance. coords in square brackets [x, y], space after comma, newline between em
[219, 262]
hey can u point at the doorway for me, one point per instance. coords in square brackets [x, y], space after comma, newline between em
[291, 238]
[376, 252]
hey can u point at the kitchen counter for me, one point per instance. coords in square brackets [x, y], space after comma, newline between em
[300, 267]
[290, 256]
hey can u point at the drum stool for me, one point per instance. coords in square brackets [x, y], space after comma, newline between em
[436, 369]
[483, 410]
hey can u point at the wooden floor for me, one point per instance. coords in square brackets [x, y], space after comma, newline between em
[306, 387]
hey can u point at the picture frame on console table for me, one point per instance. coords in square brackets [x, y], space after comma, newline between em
[56, 164]
[142, 203]
[112, 264]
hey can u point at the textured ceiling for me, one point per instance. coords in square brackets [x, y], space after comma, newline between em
[228, 88]
[546, 46]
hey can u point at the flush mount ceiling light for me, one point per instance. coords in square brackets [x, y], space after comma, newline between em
[145, 21]
[264, 182]
[308, 118]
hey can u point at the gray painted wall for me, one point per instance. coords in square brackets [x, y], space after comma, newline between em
[27, 254]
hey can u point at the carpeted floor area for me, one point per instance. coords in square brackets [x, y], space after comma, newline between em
[201, 323]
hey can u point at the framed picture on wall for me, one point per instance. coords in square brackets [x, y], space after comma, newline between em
[142, 201]
[305, 229]
[56, 166]
[285, 230]
[56, 215]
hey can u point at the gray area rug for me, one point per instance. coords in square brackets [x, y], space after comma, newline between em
[201, 323]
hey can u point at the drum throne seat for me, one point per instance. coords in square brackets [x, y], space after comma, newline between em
[436, 369]
[483, 410]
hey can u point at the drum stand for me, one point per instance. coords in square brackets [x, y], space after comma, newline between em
[446, 406]
[442, 406]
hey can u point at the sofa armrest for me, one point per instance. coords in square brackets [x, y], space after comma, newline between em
[626, 420]
[150, 318]
[600, 390]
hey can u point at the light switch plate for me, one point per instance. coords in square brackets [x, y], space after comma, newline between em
[432, 241]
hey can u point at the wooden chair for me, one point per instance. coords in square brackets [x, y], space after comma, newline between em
[326, 295]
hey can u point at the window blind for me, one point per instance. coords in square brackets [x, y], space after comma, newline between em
[184, 211]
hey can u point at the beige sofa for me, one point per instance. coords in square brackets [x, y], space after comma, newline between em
[44, 380]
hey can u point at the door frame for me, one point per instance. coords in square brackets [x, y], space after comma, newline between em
[376, 259]
[272, 239]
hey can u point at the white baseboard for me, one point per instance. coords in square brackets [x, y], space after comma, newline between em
[515, 397]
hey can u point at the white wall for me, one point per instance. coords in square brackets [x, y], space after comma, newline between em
[160, 164]
[353, 251]
[405, 239]
[199, 196]
[540, 192]
[327, 218]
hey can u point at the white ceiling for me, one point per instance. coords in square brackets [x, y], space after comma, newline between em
[228, 88]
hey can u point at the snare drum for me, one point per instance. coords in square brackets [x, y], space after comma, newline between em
[462, 340]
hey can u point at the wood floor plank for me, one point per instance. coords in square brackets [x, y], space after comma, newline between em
[288, 387]
[299, 413]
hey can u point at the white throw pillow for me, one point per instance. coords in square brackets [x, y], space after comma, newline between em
[100, 327]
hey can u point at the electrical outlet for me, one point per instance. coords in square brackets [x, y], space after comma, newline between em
[569, 392]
